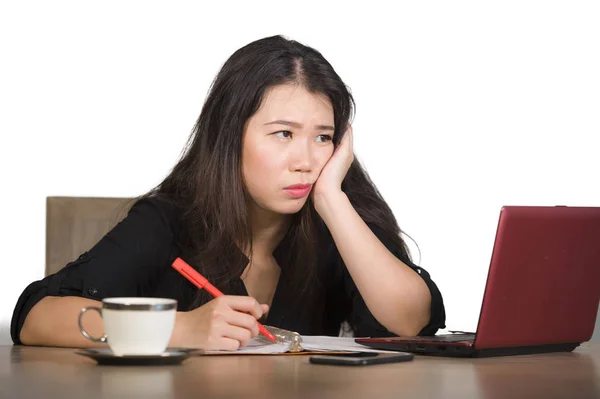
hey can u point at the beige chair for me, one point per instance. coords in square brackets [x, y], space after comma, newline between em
[75, 224]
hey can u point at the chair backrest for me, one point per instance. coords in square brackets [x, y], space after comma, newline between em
[75, 224]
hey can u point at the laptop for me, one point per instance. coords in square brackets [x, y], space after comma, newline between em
[542, 289]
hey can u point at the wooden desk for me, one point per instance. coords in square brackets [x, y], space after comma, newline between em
[29, 372]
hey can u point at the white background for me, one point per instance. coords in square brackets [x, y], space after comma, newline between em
[462, 107]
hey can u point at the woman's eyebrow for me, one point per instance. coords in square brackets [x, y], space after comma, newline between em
[298, 125]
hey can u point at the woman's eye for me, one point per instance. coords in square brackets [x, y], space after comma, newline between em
[325, 138]
[285, 134]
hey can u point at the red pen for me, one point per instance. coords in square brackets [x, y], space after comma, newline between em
[201, 282]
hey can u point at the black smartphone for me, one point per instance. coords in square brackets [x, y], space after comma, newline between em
[361, 359]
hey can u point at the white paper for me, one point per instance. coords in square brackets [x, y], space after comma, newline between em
[324, 343]
[311, 343]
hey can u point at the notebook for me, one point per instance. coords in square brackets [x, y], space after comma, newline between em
[542, 290]
[290, 342]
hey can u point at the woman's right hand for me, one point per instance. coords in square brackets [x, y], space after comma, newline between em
[225, 323]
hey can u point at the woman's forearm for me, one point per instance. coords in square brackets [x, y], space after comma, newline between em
[53, 322]
[394, 293]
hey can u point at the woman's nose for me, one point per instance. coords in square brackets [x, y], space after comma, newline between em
[302, 158]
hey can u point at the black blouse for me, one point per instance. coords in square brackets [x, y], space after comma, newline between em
[134, 259]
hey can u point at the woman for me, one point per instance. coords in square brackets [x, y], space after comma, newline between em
[270, 205]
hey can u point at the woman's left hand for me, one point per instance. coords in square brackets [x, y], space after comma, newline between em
[334, 171]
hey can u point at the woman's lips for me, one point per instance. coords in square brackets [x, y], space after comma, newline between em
[298, 190]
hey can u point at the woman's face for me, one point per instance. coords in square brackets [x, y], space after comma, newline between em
[286, 144]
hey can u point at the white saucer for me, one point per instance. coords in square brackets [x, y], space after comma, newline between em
[105, 356]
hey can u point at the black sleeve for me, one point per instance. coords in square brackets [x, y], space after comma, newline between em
[360, 317]
[127, 261]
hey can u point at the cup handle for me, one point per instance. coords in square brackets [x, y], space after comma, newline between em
[85, 333]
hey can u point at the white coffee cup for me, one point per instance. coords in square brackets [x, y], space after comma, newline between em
[135, 326]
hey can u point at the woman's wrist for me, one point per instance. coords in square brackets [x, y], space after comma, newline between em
[326, 203]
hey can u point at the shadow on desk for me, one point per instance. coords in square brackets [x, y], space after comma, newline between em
[258, 376]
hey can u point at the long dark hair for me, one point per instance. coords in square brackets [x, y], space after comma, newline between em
[207, 186]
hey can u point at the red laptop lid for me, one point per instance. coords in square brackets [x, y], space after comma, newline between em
[543, 283]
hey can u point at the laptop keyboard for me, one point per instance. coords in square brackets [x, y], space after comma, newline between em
[455, 337]
[442, 338]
